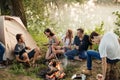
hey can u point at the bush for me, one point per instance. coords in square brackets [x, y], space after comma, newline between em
[117, 23]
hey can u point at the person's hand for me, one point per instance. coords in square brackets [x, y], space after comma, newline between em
[28, 48]
[63, 46]
[99, 77]
[77, 47]
[26, 60]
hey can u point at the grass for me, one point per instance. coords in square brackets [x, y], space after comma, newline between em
[20, 69]
[16, 71]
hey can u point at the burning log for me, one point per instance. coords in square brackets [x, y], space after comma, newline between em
[56, 70]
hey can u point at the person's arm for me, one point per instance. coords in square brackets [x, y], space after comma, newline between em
[76, 47]
[69, 46]
[75, 43]
[104, 67]
[70, 43]
[119, 40]
[28, 48]
[56, 40]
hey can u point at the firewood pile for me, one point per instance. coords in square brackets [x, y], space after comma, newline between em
[54, 71]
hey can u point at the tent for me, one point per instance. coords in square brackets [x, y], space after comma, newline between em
[9, 27]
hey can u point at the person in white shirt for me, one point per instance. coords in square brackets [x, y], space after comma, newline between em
[66, 41]
[109, 53]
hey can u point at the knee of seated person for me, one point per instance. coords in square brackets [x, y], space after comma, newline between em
[25, 55]
[53, 46]
[88, 52]
[47, 58]
[36, 49]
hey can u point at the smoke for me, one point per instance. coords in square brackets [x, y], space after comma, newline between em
[64, 62]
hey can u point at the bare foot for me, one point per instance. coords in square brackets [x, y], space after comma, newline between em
[77, 58]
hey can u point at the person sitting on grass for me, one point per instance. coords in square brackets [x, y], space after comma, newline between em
[67, 43]
[109, 53]
[81, 44]
[53, 41]
[2, 51]
[21, 53]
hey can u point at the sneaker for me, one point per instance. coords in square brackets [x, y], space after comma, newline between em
[87, 72]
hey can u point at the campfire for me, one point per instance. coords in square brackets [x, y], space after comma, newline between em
[56, 70]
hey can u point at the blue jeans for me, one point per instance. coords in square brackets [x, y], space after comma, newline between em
[94, 54]
[72, 53]
[2, 50]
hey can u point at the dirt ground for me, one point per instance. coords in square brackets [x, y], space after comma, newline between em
[72, 67]
[82, 66]
[5, 75]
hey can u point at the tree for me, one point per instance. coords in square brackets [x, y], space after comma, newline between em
[13, 8]
[100, 28]
[117, 23]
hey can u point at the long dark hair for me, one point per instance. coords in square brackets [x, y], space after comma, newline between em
[48, 30]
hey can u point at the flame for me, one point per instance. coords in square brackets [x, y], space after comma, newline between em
[59, 73]
[58, 66]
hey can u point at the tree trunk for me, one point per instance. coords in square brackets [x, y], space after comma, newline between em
[13, 8]
[18, 10]
[4, 7]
